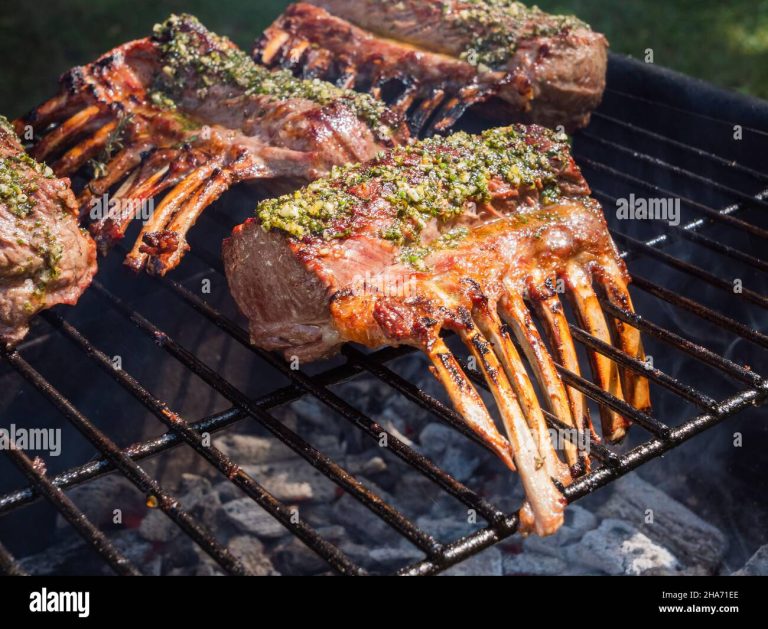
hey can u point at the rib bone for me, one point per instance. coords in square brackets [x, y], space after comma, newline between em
[144, 184]
[74, 126]
[516, 375]
[514, 312]
[605, 371]
[546, 501]
[425, 110]
[171, 204]
[185, 218]
[119, 168]
[635, 386]
[75, 157]
[466, 399]
[552, 317]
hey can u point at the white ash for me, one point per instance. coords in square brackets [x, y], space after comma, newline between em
[617, 548]
[757, 566]
[282, 481]
[252, 448]
[248, 517]
[250, 551]
[666, 521]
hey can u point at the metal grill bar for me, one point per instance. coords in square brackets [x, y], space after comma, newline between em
[656, 447]
[8, 564]
[693, 236]
[372, 428]
[697, 351]
[726, 323]
[663, 139]
[438, 556]
[128, 467]
[685, 112]
[656, 375]
[691, 269]
[724, 216]
[725, 250]
[677, 170]
[233, 472]
[212, 424]
[593, 392]
[76, 518]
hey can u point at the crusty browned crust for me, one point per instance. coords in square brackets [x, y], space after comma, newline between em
[553, 79]
[514, 236]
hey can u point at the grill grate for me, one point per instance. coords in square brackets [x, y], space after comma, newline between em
[668, 165]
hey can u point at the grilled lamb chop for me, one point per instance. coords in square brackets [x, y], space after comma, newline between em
[45, 258]
[435, 58]
[187, 111]
[451, 234]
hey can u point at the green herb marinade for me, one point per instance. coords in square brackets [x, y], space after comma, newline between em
[16, 187]
[496, 27]
[222, 63]
[437, 178]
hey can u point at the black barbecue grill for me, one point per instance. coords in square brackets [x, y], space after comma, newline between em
[657, 134]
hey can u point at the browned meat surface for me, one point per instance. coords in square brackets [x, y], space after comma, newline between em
[45, 258]
[442, 56]
[452, 234]
[186, 111]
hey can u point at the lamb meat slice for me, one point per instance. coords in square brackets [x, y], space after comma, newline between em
[453, 234]
[187, 112]
[45, 258]
[446, 55]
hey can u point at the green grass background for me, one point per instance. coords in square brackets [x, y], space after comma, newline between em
[722, 42]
